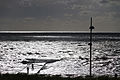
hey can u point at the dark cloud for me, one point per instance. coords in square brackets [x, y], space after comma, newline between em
[104, 1]
[108, 1]
[58, 14]
[115, 0]
[30, 8]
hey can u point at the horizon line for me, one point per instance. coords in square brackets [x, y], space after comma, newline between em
[58, 32]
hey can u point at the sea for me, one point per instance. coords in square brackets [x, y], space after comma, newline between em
[70, 47]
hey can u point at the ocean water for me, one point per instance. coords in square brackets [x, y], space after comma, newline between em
[72, 49]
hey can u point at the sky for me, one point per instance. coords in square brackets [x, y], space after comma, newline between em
[59, 15]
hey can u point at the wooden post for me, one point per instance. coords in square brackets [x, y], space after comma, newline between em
[91, 28]
[32, 66]
[27, 68]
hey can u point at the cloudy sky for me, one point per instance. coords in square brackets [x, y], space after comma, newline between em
[59, 15]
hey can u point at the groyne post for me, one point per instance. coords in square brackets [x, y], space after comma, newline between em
[27, 69]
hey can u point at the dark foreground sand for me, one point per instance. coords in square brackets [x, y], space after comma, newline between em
[45, 77]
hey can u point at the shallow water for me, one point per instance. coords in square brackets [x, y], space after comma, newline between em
[74, 54]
